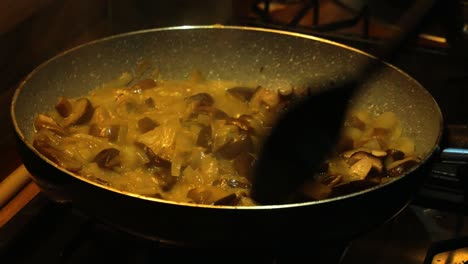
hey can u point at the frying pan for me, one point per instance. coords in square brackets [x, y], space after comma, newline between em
[245, 55]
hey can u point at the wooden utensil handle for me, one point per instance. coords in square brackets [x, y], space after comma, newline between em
[12, 184]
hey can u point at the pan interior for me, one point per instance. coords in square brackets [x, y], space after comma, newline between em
[244, 55]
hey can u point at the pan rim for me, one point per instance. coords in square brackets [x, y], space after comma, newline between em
[28, 143]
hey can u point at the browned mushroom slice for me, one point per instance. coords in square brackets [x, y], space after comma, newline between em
[331, 180]
[82, 111]
[200, 99]
[351, 187]
[149, 102]
[253, 124]
[373, 152]
[265, 98]
[154, 160]
[210, 111]
[61, 158]
[101, 181]
[395, 154]
[230, 199]
[108, 158]
[142, 85]
[286, 91]
[47, 122]
[231, 149]
[105, 131]
[397, 168]
[361, 168]
[378, 153]
[63, 107]
[242, 93]
[244, 164]
[241, 123]
[207, 194]
[146, 124]
[363, 163]
[204, 138]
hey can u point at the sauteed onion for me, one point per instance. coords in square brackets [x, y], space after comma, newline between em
[196, 140]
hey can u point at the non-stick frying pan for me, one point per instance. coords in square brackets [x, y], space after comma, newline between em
[244, 55]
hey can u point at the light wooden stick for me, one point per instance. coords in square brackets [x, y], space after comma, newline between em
[13, 183]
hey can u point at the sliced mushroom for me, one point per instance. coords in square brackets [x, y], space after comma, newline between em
[375, 153]
[149, 102]
[362, 163]
[244, 164]
[231, 149]
[146, 124]
[63, 107]
[378, 153]
[142, 85]
[264, 98]
[241, 123]
[204, 138]
[361, 168]
[46, 122]
[332, 180]
[253, 124]
[82, 112]
[110, 132]
[200, 99]
[212, 112]
[399, 167]
[101, 181]
[285, 91]
[108, 158]
[242, 93]
[230, 199]
[395, 154]
[155, 160]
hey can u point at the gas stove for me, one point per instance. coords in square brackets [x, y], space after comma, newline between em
[432, 229]
[46, 231]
